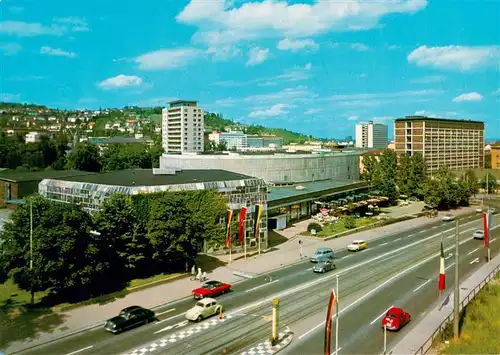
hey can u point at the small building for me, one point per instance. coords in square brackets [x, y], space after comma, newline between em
[495, 155]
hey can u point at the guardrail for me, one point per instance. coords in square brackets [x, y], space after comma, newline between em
[440, 331]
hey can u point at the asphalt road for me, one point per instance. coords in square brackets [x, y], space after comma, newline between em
[360, 329]
[249, 305]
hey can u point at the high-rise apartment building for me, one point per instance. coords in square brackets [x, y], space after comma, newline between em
[183, 127]
[456, 144]
[495, 156]
[371, 135]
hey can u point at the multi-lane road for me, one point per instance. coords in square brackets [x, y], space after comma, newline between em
[399, 269]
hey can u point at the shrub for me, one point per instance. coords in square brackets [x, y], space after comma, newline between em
[350, 222]
[315, 226]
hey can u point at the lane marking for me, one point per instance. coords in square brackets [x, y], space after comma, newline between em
[472, 251]
[380, 316]
[422, 285]
[449, 256]
[411, 235]
[310, 269]
[384, 243]
[446, 268]
[80, 350]
[397, 239]
[169, 318]
[476, 260]
[345, 256]
[391, 279]
[260, 286]
[164, 312]
[491, 241]
[178, 325]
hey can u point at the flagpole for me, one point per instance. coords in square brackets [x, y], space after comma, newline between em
[337, 319]
[230, 248]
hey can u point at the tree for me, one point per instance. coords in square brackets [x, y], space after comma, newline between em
[370, 164]
[404, 174]
[386, 175]
[470, 182]
[85, 157]
[489, 182]
[418, 175]
[350, 222]
[444, 190]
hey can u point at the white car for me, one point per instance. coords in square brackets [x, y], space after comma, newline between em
[448, 217]
[204, 308]
[478, 234]
[357, 245]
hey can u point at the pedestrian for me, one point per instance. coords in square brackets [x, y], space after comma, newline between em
[300, 246]
[198, 277]
[193, 273]
[204, 276]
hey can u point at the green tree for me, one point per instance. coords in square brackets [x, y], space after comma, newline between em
[444, 190]
[418, 175]
[404, 174]
[350, 222]
[85, 157]
[489, 182]
[370, 164]
[470, 182]
[386, 175]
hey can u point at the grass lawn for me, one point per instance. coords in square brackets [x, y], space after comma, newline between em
[13, 297]
[481, 324]
[339, 227]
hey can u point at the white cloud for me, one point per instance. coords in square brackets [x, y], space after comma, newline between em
[273, 111]
[297, 45]
[77, 24]
[57, 52]
[223, 52]
[120, 81]
[392, 46]
[312, 111]
[6, 97]
[455, 57]
[389, 95]
[221, 22]
[25, 29]
[257, 56]
[360, 47]
[352, 118]
[167, 58]
[470, 96]
[10, 48]
[429, 79]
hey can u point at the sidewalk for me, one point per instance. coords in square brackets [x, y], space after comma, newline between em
[420, 335]
[287, 253]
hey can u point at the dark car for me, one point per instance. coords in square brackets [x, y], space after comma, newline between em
[211, 289]
[129, 318]
[324, 266]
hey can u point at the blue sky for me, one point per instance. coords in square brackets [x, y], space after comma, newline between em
[316, 67]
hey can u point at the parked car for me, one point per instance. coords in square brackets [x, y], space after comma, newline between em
[324, 266]
[322, 254]
[204, 308]
[129, 318]
[357, 245]
[448, 217]
[479, 210]
[211, 289]
[478, 234]
[395, 318]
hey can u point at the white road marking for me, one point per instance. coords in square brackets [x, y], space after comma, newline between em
[310, 269]
[451, 236]
[449, 256]
[384, 243]
[170, 318]
[397, 239]
[80, 350]
[164, 312]
[178, 325]
[491, 241]
[411, 235]
[476, 260]
[260, 286]
[337, 350]
[346, 256]
[472, 251]
[422, 285]
[446, 268]
[381, 315]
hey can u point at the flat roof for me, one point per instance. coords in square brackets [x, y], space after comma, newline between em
[182, 102]
[279, 193]
[425, 118]
[18, 176]
[145, 177]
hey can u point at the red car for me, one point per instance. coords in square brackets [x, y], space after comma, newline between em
[395, 318]
[211, 289]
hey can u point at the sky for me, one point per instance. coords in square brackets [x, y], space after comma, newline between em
[316, 67]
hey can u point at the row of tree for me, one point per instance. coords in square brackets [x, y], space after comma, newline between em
[77, 256]
[394, 176]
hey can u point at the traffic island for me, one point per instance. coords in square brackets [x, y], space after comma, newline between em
[269, 346]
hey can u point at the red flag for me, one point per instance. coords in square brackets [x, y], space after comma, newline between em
[441, 283]
[241, 225]
[328, 325]
[486, 228]
[228, 228]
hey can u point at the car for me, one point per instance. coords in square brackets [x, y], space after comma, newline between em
[211, 289]
[493, 210]
[413, 199]
[357, 245]
[204, 308]
[324, 266]
[129, 318]
[478, 234]
[395, 319]
[322, 254]
[479, 210]
[448, 217]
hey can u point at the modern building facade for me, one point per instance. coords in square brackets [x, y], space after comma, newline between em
[273, 168]
[456, 144]
[183, 127]
[264, 141]
[371, 135]
[495, 155]
[236, 140]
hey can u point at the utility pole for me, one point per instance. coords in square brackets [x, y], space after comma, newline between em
[337, 319]
[385, 339]
[32, 289]
[456, 294]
